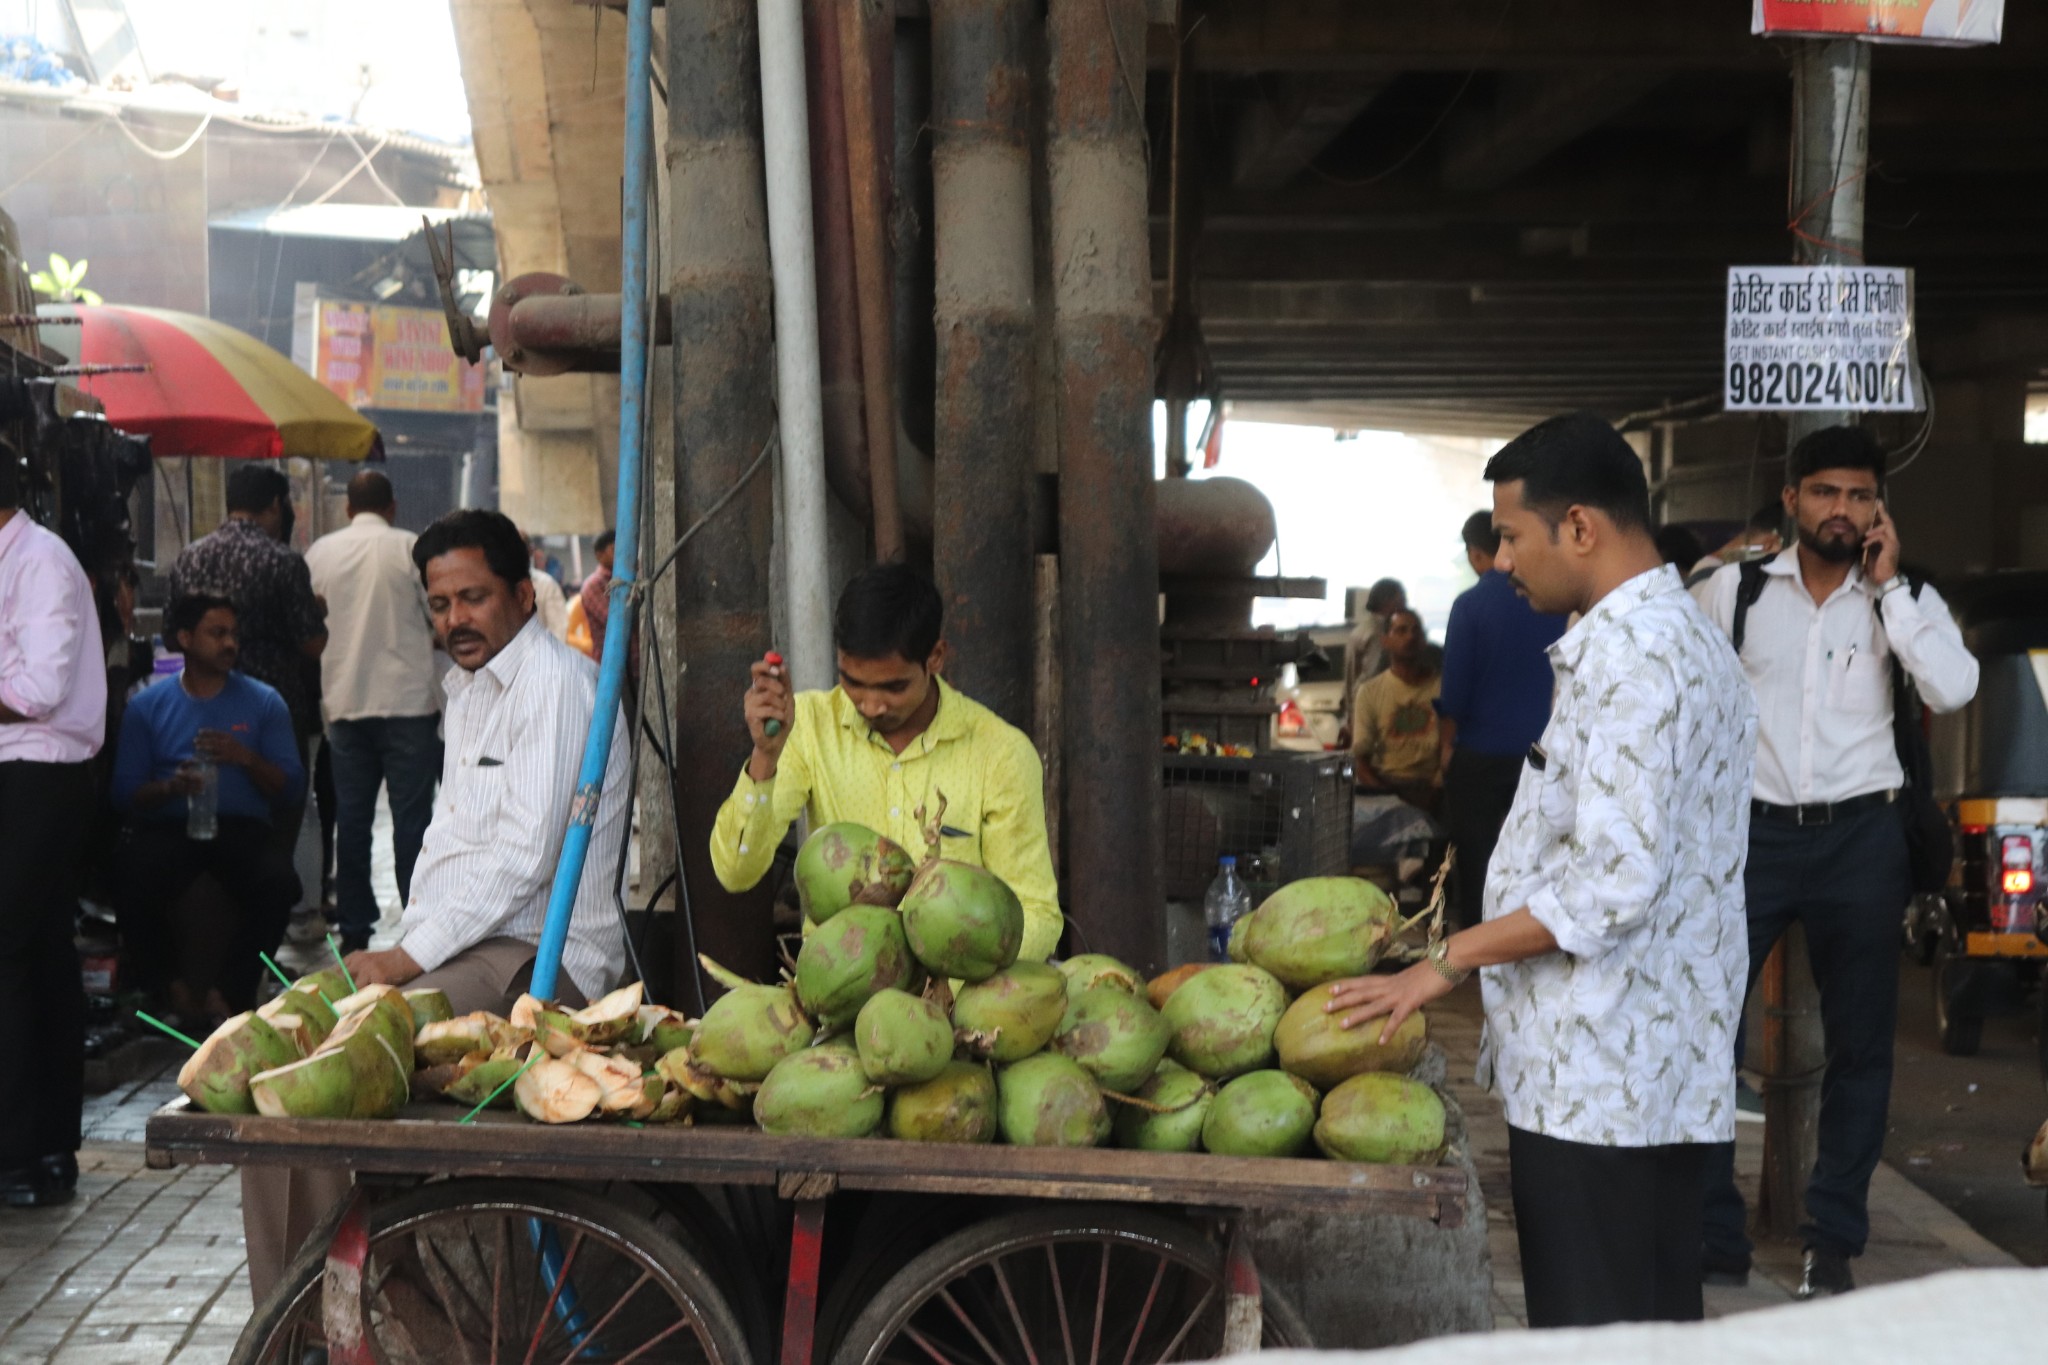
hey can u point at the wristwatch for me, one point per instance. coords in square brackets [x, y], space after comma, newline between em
[1440, 958]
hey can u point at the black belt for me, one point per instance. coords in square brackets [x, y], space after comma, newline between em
[1821, 812]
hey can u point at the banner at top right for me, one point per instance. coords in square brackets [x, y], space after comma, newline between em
[1950, 22]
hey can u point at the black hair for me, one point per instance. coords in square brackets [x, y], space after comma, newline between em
[1576, 460]
[255, 487]
[185, 613]
[1420, 628]
[477, 528]
[888, 609]
[1835, 448]
[1479, 534]
[370, 491]
[603, 542]
[1769, 517]
[1680, 547]
[12, 467]
[1381, 594]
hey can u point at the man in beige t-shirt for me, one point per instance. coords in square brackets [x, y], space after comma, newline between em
[1397, 740]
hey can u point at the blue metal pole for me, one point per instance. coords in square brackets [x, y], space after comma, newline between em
[634, 348]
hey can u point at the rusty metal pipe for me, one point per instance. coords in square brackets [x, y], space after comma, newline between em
[724, 412]
[543, 324]
[1109, 551]
[871, 277]
[984, 432]
[846, 437]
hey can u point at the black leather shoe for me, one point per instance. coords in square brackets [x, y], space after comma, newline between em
[1720, 1268]
[1826, 1274]
[48, 1182]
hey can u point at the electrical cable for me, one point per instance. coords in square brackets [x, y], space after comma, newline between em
[180, 150]
[370, 165]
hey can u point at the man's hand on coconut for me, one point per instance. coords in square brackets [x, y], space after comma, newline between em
[1362, 999]
[391, 967]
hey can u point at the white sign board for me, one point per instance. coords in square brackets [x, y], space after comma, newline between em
[1804, 338]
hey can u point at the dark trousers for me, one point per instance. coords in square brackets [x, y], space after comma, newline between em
[323, 797]
[1607, 1233]
[157, 864]
[1847, 884]
[45, 810]
[1478, 789]
[402, 754]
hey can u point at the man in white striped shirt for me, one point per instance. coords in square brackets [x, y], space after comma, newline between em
[518, 713]
[519, 704]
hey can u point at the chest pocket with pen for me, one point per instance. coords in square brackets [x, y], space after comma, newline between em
[477, 797]
[1556, 789]
[1862, 681]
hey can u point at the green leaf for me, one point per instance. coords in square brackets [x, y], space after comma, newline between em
[59, 267]
[43, 284]
[88, 296]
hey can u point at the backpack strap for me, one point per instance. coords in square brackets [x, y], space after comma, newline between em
[1748, 588]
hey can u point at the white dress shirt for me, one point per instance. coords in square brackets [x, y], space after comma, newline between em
[1628, 845]
[549, 604]
[53, 668]
[379, 659]
[515, 731]
[1823, 676]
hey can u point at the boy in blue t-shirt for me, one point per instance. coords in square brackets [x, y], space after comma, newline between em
[243, 727]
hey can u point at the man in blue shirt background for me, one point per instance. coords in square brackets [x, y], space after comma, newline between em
[244, 728]
[1495, 699]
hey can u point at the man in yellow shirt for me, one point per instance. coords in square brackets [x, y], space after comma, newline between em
[891, 739]
[1397, 739]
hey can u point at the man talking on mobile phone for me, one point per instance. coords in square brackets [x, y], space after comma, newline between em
[1818, 628]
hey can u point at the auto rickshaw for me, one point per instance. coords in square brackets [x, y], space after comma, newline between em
[1986, 935]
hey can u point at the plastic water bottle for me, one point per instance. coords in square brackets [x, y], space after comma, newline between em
[202, 808]
[1226, 903]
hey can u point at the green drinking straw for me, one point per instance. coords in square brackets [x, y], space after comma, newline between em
[278, 971]
[345, 976]
[503, 1088]
[160, 1024]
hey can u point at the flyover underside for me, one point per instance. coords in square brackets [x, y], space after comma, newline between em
[1461, 216]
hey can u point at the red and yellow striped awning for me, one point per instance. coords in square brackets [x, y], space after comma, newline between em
[209, 389]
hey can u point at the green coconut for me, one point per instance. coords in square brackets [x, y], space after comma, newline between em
[316, 1016]
[957, 1105]
[1115, 1036]
[847, 864]
[1320, 929]
[1233, 948]
[1223, 1020]
[479, 1081]
[1380, 1118]
[1176, 1101]
[428, 1006]
[1050, 1101]
[747, 1031]
[848, 958]
[380, 1011]
[612, 1017]
[962, 921]
[1090, 970]
[1261, 1113]
[1314, 1047]
[819, 1092]
[1013, 1013]
[330, 984]
[357, 1077]
[903, 1039]
[450, 1040]
[216, 1077]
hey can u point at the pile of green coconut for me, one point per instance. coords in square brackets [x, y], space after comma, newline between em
[907, 1015]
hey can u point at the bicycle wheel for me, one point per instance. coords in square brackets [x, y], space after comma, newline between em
[1093, 1282]
[478, 1272]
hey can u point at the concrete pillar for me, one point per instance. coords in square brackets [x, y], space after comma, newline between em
[720, 300]
[984, 429]
[1109, 551]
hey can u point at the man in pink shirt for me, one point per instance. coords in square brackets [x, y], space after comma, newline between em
[53, 711]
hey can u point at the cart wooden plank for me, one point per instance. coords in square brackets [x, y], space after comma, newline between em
[426, 1140]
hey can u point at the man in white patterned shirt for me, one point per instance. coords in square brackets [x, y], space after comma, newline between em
[519, 704]
[1612, 949]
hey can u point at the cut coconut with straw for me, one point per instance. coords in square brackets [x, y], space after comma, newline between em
[216, 1077]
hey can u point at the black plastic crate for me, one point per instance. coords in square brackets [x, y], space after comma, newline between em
[1284, 816]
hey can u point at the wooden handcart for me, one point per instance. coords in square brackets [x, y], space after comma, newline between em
[504, 1242]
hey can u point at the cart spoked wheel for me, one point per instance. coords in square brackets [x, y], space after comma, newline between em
[485, 1272]
[1061, 1286]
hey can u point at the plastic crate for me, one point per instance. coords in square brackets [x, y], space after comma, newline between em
[1284, 816]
